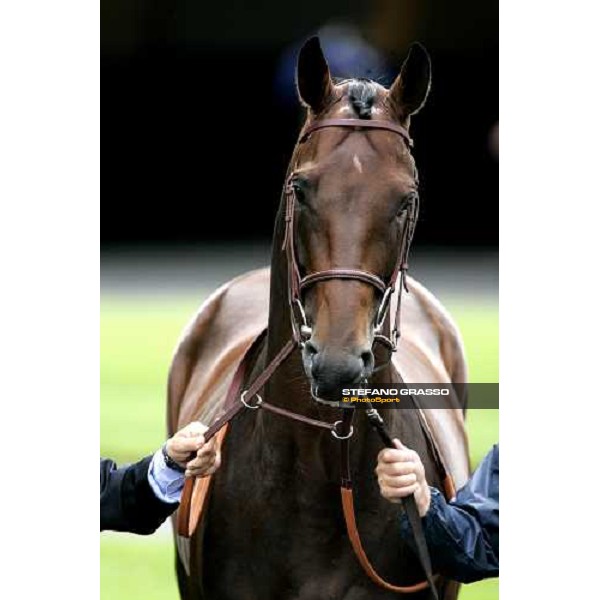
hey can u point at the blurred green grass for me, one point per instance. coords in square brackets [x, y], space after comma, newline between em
[138, 336]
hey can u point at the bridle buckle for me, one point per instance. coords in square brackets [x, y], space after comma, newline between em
[339, 436]
[255, 406]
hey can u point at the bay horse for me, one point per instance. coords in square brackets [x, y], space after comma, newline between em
[272, 527]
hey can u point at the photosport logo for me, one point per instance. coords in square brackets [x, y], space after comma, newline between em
[421, 395]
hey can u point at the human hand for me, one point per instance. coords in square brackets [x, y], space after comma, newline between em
[206, 462]
[401, 473]
[187, 441]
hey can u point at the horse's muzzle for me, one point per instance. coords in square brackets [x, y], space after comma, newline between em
[329, 371]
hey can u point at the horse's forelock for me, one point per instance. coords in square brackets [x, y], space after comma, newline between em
[362, 94]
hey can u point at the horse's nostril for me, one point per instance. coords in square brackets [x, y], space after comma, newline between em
[368, 361]
[311, 349]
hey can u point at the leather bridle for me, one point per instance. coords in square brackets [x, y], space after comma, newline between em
[301, 329]
[249, 399]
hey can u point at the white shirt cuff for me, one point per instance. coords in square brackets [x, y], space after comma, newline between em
[166, 483]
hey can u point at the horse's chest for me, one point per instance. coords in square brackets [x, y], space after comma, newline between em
[272, 539]
[275, 530]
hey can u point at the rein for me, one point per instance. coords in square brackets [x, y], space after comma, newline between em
[301, 330]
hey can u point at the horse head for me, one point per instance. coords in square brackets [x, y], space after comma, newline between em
[353, 190]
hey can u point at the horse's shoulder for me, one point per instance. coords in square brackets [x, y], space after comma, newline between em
[425, 312]
[214, 341]
[235, 305]
[432, 308]
[433, 336]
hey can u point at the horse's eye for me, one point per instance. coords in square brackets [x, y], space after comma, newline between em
[298, 187]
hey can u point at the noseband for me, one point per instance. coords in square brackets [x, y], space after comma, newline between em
[301, 329]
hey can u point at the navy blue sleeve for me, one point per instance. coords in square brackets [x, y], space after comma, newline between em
[462, 535]
[127, 502]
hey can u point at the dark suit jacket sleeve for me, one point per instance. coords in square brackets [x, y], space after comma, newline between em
[462, 535]
[127, 502]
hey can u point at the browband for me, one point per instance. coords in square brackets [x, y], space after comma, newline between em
[358, 124]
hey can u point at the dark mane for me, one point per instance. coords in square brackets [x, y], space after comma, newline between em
[362, 94]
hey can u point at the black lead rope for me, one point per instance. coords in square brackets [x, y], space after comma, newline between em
[409, 504]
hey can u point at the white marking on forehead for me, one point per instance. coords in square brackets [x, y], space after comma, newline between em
[357, 163]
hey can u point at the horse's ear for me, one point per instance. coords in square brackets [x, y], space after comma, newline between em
[410, 89]
[312, 76]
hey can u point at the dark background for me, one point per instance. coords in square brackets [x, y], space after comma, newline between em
[196, 130]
